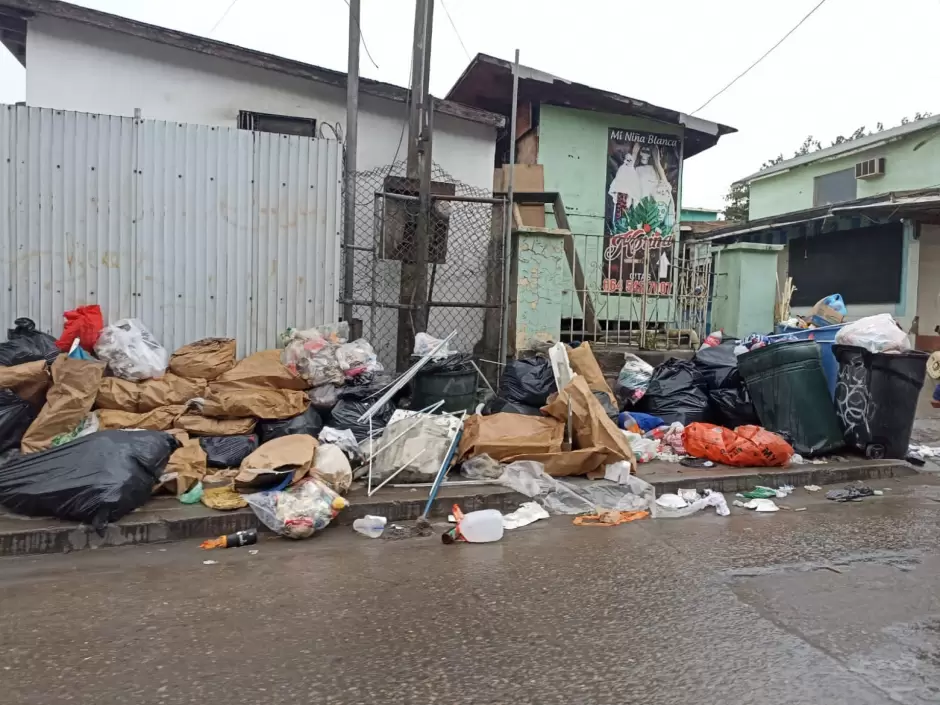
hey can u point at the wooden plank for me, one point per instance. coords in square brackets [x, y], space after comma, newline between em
[526, 178]
[577, 274]
[527, 149]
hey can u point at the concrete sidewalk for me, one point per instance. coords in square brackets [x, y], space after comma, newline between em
[165, 519]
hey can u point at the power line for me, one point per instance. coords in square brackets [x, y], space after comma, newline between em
[459, 38]
[362, 37]
[223, 16]
[764, 56]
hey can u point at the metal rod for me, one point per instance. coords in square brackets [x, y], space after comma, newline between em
[352, 139]
[483, 377]
[507, 236]
[447, 483]
[440, 197]
[396, 473]
[403, 380]
[426, 410]
[444, 467]
[439, 304]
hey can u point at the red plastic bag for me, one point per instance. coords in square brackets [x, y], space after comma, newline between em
[84, 323]
[745, 446]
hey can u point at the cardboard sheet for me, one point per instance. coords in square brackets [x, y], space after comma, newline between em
[74, 388]
[29, 381]
[506, 435]
[161, 419]
[199, 425]
[186, 467]
[139, 397]
[584, 363]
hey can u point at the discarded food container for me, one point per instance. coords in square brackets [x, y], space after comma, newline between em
[876, 398]
[789, 393]
[824, 337]
[483, 526]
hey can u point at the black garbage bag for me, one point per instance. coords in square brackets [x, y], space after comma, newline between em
[228, 451]
[95, 479]
[676, 392]
[733, 407]
[458, 362]
[347, 411]
[309, 422]
[529, 381]
[15, 417]
[612, 411]
[498, 406]
[26, 344]
[719, 366]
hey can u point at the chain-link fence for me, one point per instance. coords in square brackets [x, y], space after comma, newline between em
[458, 264]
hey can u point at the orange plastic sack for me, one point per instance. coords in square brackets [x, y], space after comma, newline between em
[745, 446]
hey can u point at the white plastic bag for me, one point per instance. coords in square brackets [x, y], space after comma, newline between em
[425, 343]
[131, 351]
[635, 373]
[672, 506]
[344, 439]
[299, 511]
[877, 334]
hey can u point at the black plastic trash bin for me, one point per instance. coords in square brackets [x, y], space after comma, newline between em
[876, 398]
[789, 392]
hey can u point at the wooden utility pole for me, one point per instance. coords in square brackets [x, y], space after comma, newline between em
[413, 289]
[349, 166]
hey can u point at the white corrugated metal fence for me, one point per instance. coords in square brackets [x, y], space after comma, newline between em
[196, 230]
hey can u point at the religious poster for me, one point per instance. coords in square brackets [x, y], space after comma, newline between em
[640, 219]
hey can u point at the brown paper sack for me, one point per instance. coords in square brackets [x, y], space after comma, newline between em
[223, 400]
[569, 463]
[287, 453]
[29, 381]
[506, 435]
[202, 426]
[584, 363]
[590, 425]
[138, 397]
[204, 359]
[185, 468]
[263, 369]
[160, 419]
[74, 387]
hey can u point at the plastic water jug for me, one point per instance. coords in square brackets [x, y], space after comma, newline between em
[483, 526]
[371, 526]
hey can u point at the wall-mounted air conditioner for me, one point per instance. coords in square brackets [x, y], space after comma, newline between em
[870, 168]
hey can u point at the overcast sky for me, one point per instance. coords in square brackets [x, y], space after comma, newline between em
[854, 62]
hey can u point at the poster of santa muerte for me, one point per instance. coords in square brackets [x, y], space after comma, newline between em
[640, 219]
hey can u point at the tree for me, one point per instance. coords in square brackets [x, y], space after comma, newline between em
[738, 196]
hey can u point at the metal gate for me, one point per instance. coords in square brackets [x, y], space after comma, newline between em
[463, 270]
[646, 292]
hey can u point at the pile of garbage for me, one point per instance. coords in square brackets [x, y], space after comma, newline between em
[93, 424]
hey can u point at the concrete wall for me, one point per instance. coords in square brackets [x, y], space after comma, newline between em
[573, 150]
[75, 67]
[910, 163]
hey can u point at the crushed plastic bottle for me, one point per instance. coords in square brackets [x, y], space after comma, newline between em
[371, 526]
[483, 526]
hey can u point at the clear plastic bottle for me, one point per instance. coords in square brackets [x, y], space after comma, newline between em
[371, 526]
[483, 526]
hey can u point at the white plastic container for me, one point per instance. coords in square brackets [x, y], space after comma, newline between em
[483, 526]
[371, 526]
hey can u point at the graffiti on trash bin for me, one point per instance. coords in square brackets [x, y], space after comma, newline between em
[854, 406]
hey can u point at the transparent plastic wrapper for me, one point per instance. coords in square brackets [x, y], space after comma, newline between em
[481, 467]
[299, 511]
[131, 351]
[877, 334]
[425, 343]
[336, 333]
[345, 439]
[529, 478]
[357, 357]
[634, 377]
[672, 506]
[323, 397]
[314, 359]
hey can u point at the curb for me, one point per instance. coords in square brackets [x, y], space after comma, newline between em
[146, 528]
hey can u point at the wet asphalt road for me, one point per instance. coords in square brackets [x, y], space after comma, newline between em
[835, 604]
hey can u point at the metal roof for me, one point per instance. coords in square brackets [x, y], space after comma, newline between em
[487, 83]
[922, 203]
[862, 143]
[15, 16]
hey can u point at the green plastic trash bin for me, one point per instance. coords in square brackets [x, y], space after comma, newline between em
[791, 397]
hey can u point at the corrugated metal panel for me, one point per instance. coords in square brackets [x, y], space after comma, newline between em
[197, 230]
[66, 193]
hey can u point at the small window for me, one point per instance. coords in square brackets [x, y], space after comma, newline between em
[836, 187]
[278, 124]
